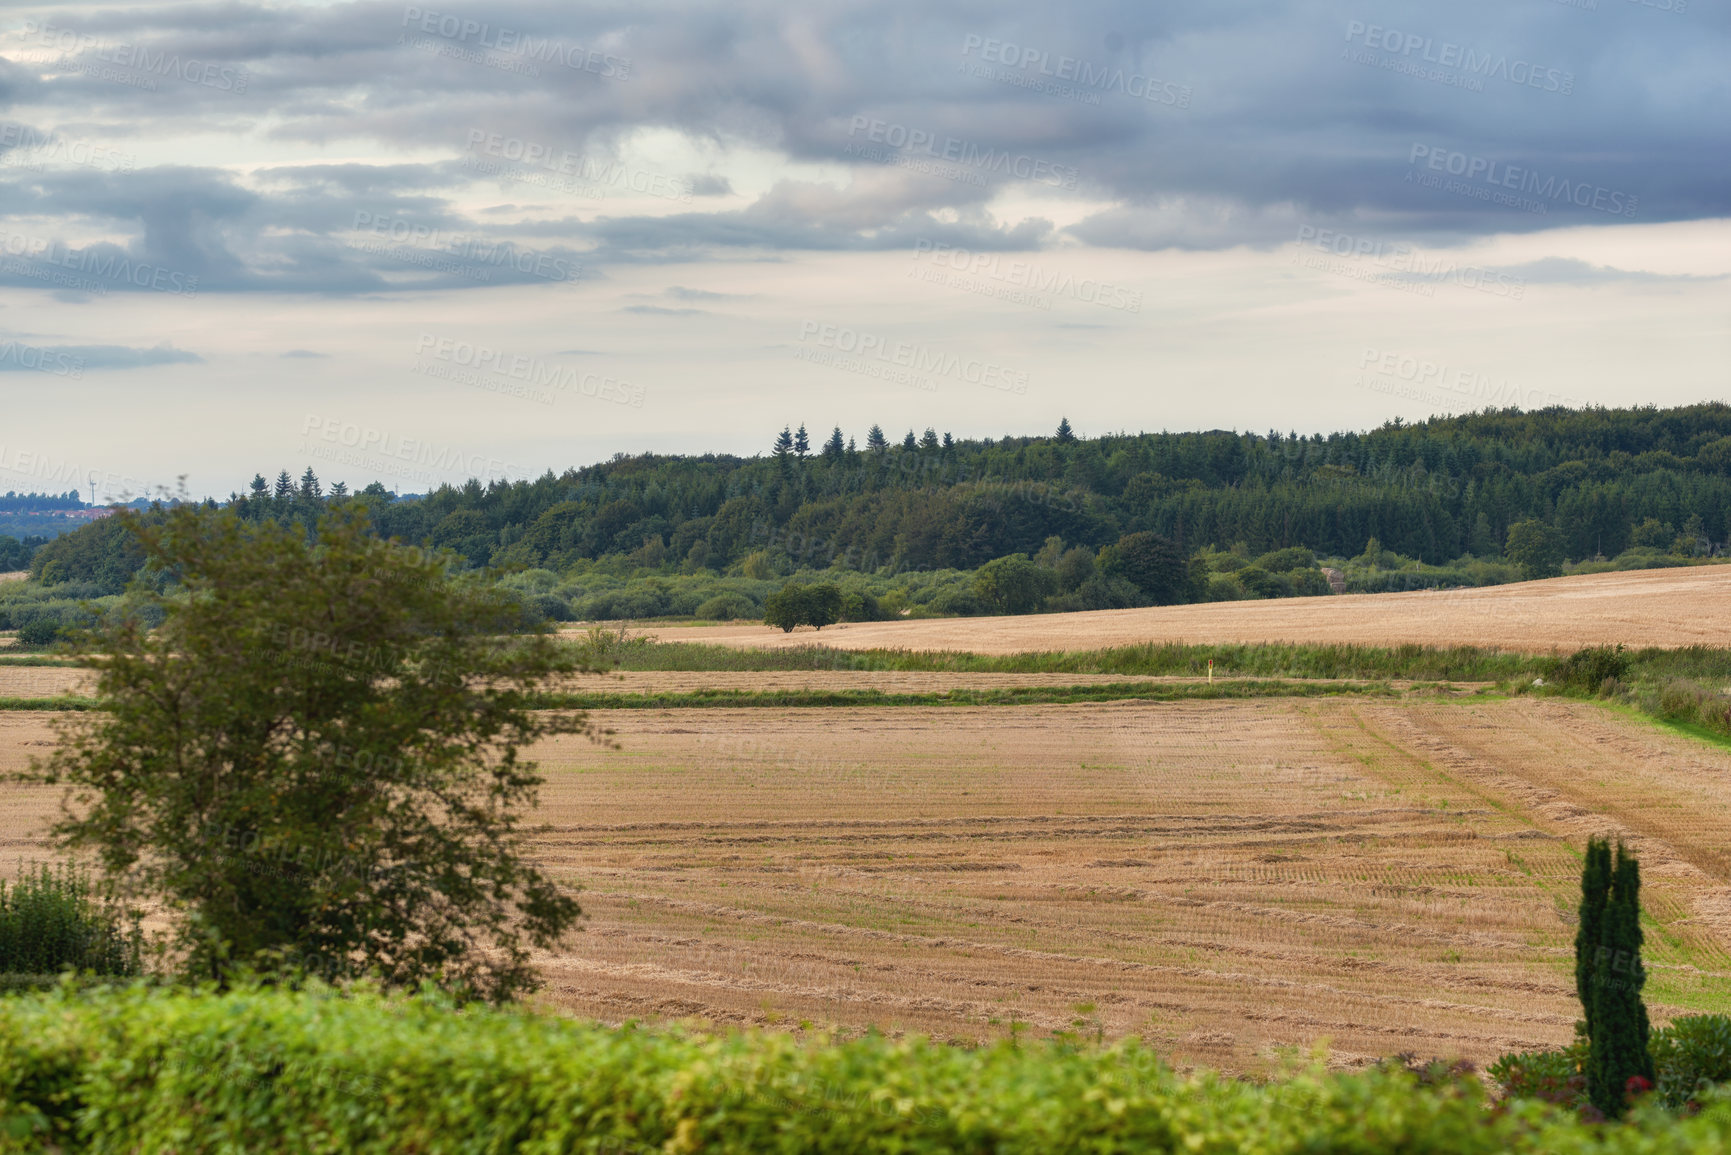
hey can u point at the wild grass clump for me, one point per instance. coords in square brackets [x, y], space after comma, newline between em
[52, 921]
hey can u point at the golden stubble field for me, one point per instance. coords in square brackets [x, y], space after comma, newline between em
[1224, 878]
[1669, 607]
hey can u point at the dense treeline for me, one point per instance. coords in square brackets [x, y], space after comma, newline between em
[1601, 480]
[13, 502]
[1433, 491]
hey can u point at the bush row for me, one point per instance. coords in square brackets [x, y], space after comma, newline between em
[158, 1069]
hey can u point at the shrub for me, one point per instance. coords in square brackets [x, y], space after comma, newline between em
[1555, 1076]
[1690, 1055]
[1283, 560]
[41, 631]
[141, 1069]
[725, 607]
[50, 922]
[1586, 670]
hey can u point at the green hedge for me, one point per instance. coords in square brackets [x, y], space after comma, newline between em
[155, 1069]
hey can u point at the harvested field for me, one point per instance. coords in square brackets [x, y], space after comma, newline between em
[1225, 878]
[1669, 607]
[52, 681]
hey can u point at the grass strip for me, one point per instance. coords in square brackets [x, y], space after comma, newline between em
[1263, 660]
[796, 699]
[63, 702]
[1007, 696]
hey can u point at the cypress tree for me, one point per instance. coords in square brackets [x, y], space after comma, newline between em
[1595, 888]
[1617, 1017]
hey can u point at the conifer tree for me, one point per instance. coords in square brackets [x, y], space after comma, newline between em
[340, 490]
[929, 439]
[1619, 1030]
[260, 487]
[910, 443]
[310, 489]
[1590, 931]
[1065, 433]
[801, 443]
[949, 442]
[875, 439]
[832, 449]
[285, 486]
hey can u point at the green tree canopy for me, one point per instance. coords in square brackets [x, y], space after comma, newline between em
[315, 761]
[1536, 547]
[1014, 584]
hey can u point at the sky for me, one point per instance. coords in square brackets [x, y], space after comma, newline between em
[422, 243]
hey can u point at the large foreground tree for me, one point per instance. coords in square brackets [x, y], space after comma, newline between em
[312, 758]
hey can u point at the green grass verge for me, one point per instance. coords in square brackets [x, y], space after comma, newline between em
[1009, 696]
[1419, 663]
[159, 1069]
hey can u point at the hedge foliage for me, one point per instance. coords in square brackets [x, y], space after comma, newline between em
[160, 1069]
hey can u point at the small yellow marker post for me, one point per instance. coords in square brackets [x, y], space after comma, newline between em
[1210, 671]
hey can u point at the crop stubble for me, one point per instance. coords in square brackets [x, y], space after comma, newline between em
[1223, 878]
[1664, 607]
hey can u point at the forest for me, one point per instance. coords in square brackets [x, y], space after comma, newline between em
[1430, 503]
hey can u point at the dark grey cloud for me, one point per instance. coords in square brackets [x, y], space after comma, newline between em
[1221, 125]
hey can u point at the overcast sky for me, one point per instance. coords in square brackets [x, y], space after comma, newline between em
[422, 243]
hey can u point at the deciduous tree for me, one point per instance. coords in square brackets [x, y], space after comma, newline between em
[315, 760]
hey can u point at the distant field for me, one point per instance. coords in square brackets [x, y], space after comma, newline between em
[1668, 607]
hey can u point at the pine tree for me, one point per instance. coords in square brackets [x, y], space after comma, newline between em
[875, 439]
[949, 442]
[1065, 433]
[1619, 1029]
[801, 443]
[929, 439]
[832, 449]
[339, 490]
[310, 489]
[260, 487]
[783, 450]
[285, 486]
[910, 443]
